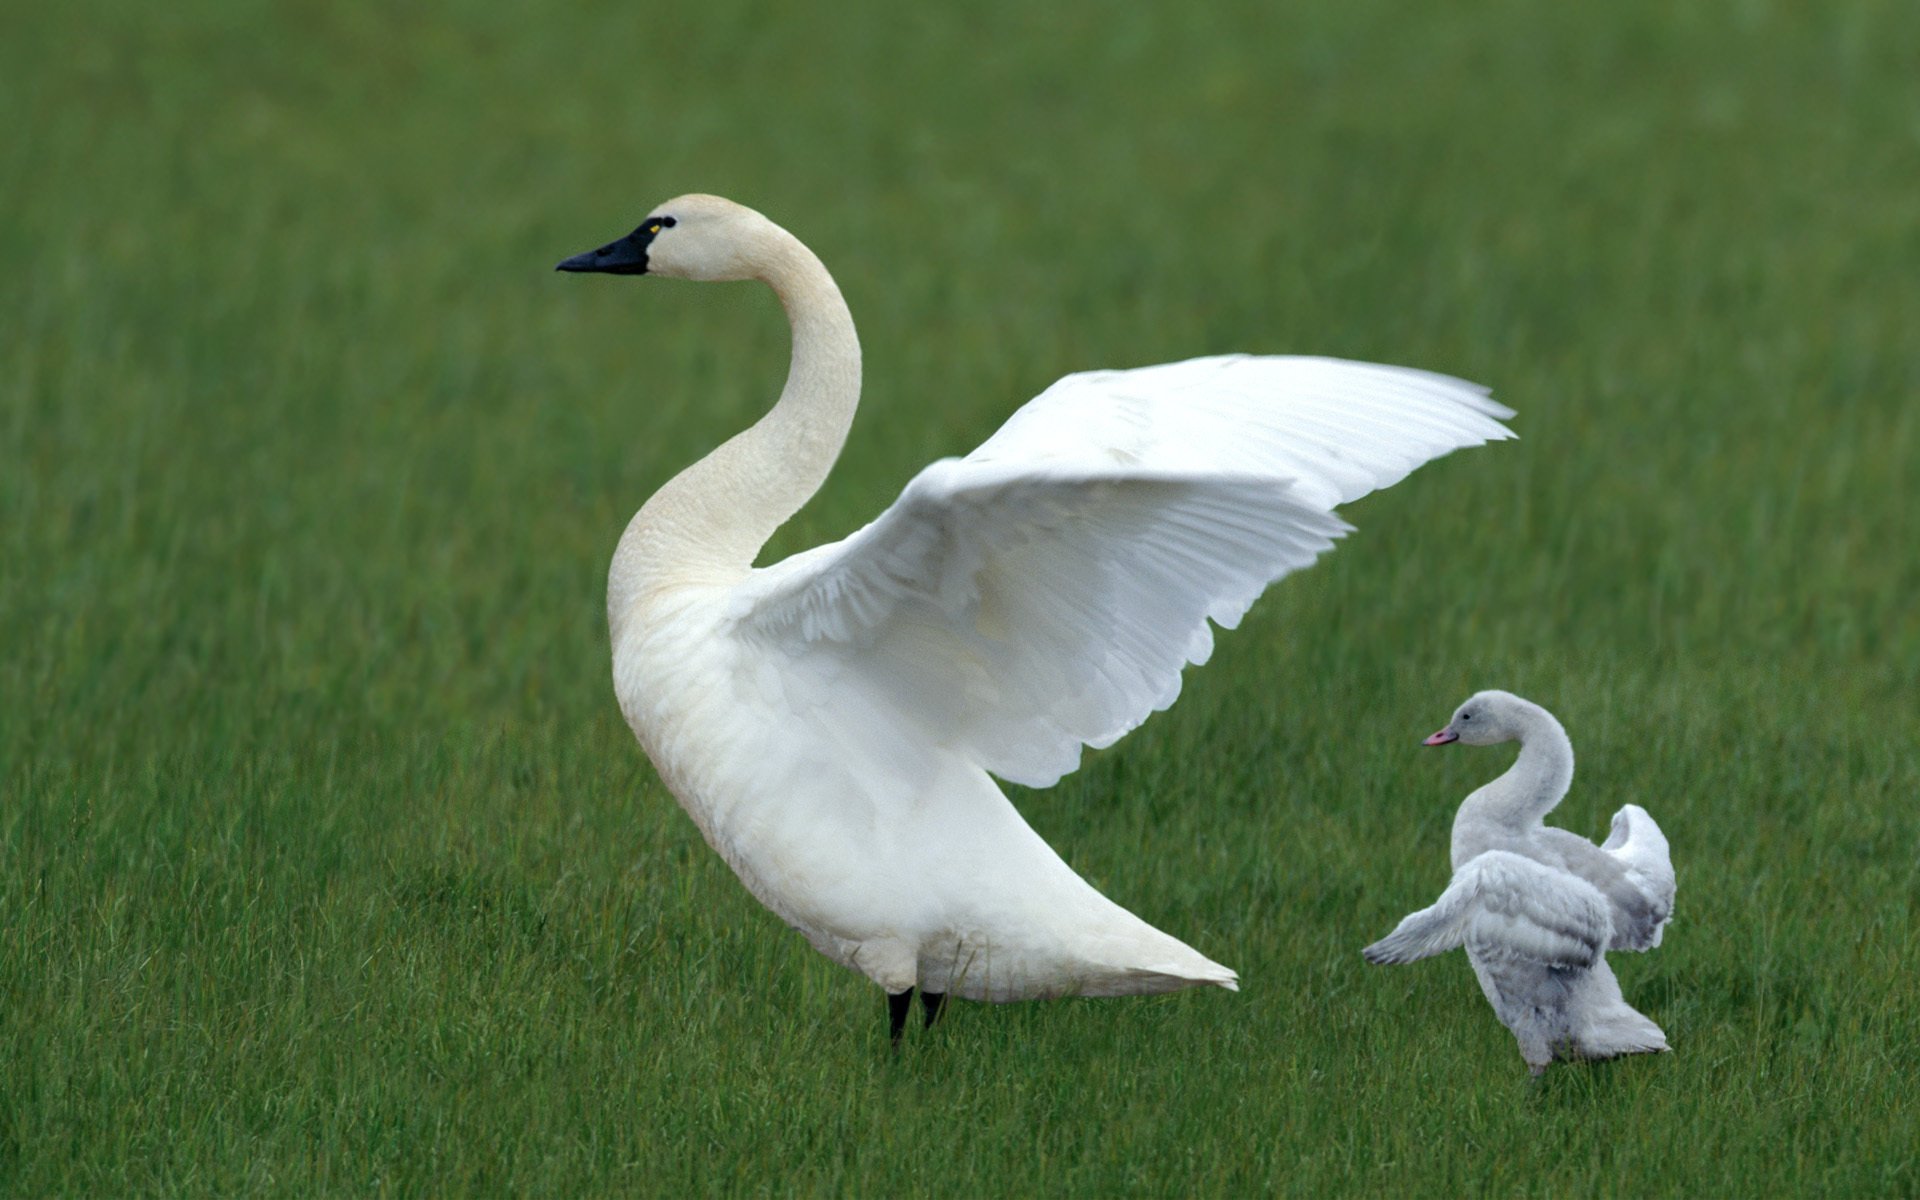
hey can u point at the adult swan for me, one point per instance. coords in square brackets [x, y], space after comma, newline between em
[832, 723]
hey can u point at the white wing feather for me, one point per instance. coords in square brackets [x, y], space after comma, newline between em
[1637, 842]
[1044, 592]
[1508, 905]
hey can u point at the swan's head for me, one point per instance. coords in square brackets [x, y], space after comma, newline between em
[688, 237]
[1486, 719]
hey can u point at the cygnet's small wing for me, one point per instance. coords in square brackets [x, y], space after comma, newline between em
[1641, 848]
[1511, 906]
[1637, 911]
[1044, 593]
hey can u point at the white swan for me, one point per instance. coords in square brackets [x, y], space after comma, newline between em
[1538, 908]
[830, 722]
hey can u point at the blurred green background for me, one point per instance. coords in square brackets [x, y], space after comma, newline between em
[327, 864]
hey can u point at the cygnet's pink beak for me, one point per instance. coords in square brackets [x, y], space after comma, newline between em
[1442, 738]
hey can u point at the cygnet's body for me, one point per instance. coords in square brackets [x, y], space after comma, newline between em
[832, 722]
[1537, 908]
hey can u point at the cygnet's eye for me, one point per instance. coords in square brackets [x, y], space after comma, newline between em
[1466, 716]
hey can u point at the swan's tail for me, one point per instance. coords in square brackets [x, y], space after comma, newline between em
[1144, 961]
[1612, 1027]
[977, 982]
[1136, 961]
[1140, 981]
[1624, 1030]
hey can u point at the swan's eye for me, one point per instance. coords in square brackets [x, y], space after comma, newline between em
[1466, 716]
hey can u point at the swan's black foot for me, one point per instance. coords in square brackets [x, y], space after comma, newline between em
[933, 1004]
[899, 1004]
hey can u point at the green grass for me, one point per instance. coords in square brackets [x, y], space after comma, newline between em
[326, 862]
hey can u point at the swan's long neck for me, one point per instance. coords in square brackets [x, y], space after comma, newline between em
[1520, 799]
[710, 521]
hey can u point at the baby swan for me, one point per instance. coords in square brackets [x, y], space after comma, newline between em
[833, 722]
[1538, 908]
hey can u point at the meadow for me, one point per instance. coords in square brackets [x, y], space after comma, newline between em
[327, 865]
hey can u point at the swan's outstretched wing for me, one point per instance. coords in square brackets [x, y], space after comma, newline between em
[1510, 907]
[1337, 429]
[1044, 592]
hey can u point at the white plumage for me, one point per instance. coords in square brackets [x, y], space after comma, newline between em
[832, 722]
[1537, 908]
[1044, 592]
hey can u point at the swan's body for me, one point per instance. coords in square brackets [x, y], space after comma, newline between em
[830, 722]
[1538, 908]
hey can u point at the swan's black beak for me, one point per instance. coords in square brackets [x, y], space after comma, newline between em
[628, 256]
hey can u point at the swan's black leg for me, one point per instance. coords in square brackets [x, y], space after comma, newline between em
[899, 1004]
[933, 1003]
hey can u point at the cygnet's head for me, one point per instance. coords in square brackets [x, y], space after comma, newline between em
[688, 237]
[1486, 719]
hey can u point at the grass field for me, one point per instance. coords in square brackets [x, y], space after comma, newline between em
[328, 866]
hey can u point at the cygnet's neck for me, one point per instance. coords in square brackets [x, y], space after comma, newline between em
[1519, 800]
[710, 521]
